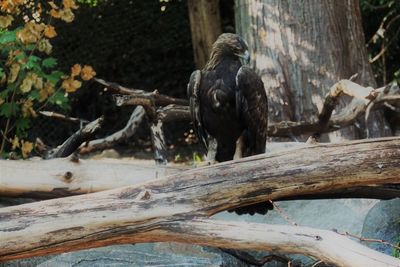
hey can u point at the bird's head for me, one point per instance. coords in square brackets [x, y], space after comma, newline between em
[228, 45]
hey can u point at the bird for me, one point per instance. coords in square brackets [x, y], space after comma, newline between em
[229, 106]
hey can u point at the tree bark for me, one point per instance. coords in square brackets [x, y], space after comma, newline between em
[141, 213]
[205, 24]
[301, 49]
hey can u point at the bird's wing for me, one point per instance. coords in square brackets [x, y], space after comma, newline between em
[252, 109]
[194, 103]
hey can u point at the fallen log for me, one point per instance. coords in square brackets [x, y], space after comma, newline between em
[63, 177]
[147, 212]
[44, 179]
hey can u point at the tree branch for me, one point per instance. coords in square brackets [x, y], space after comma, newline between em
[55, 115]
[73, 142]
[139, 97]
[124, 134]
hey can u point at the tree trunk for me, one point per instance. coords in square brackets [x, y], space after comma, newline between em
[301, 48]
[147, 212]
[205, 24]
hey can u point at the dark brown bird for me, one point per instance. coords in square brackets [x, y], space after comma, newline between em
[228, 104]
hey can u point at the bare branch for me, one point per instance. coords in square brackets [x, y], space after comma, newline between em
[139, 97]
[73, 142]
[122, 135]
[55, 115]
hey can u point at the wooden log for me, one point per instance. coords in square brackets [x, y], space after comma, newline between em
[140, 213]
[63, 177]
[43, 179]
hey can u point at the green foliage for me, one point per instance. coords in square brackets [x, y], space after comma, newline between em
[396, 252]
[91, 3]
[197, 157]
[381, 19]
[29, 79]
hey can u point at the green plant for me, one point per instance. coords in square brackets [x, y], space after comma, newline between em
[29, 79]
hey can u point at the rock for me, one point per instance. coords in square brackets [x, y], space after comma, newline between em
[157, 254]
[383, 222]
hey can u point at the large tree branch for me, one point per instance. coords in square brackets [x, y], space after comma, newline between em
[147, 212]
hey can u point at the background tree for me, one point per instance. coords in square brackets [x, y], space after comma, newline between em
[301, 49]
[205, 24]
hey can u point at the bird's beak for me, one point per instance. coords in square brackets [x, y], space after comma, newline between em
[244, 57]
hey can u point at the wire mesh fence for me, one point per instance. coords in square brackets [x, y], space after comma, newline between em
[139, 44]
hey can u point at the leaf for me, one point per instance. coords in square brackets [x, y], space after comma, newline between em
[70, 4]
[87, 73]
[49, 31]
[26, 84]
[21, 125]
[55, 13]
[70, 85]
[31, 33]
[30, 47]
[49, 62]
[54, 77]
[14, 71]
[8, 37]
[46, 91]
[6, 21]
[75, 70]
[20, 56]
[14, 142]
[34, 95]
[45, 46]
[26, 148]
[33, 62]
[27, 109]
[67, 15]
[59, 99]
[197, 157]
[8, 109]
[4, 93]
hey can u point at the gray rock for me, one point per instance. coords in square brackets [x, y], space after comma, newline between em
[383, 222]
[141, 255]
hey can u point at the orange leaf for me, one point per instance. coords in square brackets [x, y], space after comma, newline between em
[70, 85]
[76, 70]
[70, 4]
[49, 31]
[87, 73]
[26, 148]
[55, 13]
